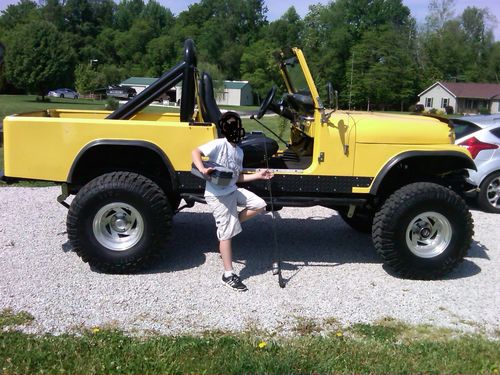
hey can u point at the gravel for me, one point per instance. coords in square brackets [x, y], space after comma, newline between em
[334, 276]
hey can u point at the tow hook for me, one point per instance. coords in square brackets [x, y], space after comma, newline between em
[64, 194]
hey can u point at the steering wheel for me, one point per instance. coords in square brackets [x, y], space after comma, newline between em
[266, 103]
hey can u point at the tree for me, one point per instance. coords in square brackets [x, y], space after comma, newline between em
[384, 71]
[287, 30]
[88, 79]
[493, 72]
[259, 67]
[440, 12]
[19, 13]
[38, 57]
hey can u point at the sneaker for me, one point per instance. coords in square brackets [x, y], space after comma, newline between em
[234, 282]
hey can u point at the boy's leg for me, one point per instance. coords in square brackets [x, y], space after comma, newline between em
[253, 204]
[248, 213]
[226, 254]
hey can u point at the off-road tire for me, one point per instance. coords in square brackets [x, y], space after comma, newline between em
[362, 221]
[391, 228]
[483, 199]
[151, 209]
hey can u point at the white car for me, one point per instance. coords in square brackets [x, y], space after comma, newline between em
[64, 93]
[481, 136]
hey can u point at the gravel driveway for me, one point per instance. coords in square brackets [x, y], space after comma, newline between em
[333, 272]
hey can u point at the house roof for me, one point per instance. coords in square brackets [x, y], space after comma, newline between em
[139, 81]
[235, 84]
[146, 81]
[469, 89]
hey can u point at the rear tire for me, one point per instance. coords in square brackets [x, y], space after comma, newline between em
[423, 231]
[119, 222]
[489, 193]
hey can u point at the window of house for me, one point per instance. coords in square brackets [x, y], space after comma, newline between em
[445, 102]
[428, 102]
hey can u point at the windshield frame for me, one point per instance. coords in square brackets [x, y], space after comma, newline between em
[297, 55]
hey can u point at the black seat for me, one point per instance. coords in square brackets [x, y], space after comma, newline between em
[254, 146]
[209, 109]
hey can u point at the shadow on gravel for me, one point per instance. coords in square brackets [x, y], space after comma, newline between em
[312, 241]
[322, 242]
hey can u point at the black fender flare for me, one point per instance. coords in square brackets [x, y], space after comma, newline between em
[112, 142]
[465, 162]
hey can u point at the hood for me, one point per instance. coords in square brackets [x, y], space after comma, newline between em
[400, 129]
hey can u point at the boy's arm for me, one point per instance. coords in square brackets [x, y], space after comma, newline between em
[261, 174]
[196, 155]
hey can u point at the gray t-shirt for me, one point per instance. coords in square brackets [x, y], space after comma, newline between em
[224, 153]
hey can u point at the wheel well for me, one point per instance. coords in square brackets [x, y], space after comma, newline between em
[447, 170]
[98, 159]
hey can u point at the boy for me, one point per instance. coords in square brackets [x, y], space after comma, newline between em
[224, 200]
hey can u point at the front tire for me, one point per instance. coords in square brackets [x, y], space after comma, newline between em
[119, 222]
[489, 193]
[423, 231]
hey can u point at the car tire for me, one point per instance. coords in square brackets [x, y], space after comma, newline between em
[119, 222]
[362, 220]
[489, 193]
[423, 231]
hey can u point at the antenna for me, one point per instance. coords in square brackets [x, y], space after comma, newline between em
[350, 88]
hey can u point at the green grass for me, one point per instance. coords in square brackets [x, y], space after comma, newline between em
[10, 104]
[384, 347]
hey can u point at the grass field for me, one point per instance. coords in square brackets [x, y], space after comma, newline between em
[385, 347]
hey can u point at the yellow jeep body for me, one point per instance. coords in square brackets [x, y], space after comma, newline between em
[391, 175]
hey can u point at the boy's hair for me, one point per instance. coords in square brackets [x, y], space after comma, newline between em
[231, 127]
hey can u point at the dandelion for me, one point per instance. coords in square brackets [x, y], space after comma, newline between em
[262, 344]
[339, 334]
[95, 330]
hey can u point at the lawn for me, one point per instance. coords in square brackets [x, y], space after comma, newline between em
[10, 104]
[385, 347]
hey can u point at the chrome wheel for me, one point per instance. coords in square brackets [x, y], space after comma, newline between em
[428, 235]
[118, 226]
[493, 192]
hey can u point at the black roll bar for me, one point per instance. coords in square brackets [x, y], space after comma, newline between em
[183, 71]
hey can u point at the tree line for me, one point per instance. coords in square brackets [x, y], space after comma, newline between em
[372, 51]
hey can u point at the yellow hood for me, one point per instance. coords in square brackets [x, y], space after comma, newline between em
[400, 129]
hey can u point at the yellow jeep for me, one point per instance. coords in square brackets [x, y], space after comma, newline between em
[399, 177]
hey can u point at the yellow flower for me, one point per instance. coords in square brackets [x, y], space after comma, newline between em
[95, 330]
[339, 334]
[262, 344]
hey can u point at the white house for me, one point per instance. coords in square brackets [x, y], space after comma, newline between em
[232, 93]
[463, 97]
[235, 93]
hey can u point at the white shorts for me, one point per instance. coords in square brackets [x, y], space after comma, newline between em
[225, 210]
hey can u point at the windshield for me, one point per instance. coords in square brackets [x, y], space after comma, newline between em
[296, 76]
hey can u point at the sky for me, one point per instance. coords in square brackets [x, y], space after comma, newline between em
[277, 7]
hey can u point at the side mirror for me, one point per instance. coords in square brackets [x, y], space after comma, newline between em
[332, 96]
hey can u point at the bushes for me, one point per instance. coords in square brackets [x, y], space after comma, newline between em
[417, 108]
[112, 103]
[484, 111]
